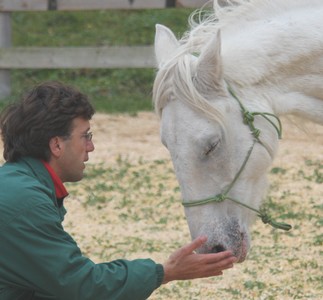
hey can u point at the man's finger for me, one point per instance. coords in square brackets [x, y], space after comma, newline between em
[195, 244]
[218, 257]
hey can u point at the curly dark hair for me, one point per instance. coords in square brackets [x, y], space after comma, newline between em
[43, 113]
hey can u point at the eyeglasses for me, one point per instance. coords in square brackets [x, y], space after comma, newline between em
[88, 136]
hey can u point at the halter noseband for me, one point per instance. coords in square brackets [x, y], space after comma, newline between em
[248, 119]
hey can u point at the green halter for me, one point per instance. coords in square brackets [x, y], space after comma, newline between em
[248, 119]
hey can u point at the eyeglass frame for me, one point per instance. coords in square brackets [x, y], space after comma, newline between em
[88, 136]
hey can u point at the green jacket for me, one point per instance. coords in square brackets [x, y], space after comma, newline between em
[40, 260]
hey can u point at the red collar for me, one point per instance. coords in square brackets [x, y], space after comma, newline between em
[60, 189]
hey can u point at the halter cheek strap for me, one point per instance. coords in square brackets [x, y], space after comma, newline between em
[248, 119]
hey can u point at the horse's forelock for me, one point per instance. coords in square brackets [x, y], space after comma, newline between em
[176, 80]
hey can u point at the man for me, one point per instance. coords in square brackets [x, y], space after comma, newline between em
[47, 140]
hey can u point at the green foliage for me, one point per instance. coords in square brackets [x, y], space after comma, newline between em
[254, 285]
[94, 28]
[317, 173]
[277, 170]
[111, 90]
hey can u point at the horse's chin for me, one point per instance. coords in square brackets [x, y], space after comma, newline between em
[243, 251]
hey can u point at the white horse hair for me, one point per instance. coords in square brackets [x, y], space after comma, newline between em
[270, 52]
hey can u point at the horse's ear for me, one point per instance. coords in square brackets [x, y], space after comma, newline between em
[209, 65]
[165, 43]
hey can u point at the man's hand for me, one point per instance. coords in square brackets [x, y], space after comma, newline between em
[186, 264]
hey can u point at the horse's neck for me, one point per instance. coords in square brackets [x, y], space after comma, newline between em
[262, 49]
[280, 58]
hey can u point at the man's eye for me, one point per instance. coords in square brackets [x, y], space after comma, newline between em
[88, 136]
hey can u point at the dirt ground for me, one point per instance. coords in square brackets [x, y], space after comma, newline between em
[122, 135]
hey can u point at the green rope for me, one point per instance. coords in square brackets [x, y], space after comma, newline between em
[248, 119]
[265, 217]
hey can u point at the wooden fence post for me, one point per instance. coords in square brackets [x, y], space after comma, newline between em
[5, 41]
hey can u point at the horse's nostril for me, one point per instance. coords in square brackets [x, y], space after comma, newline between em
[217, 249]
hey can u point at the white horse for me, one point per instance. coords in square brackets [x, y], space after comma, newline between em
[218, 96]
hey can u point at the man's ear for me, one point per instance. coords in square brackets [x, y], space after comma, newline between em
[55, 146]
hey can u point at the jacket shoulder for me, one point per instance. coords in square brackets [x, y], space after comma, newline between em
[21, 190]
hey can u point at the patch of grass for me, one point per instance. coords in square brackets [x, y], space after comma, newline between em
[274, 206]
[254, 285]
[318, 240]
[277, 170]
[315, 173]
[96, 28]
[233, 292]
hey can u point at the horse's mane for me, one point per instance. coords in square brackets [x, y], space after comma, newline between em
[237, 14]
[238, 21]
[234, 13]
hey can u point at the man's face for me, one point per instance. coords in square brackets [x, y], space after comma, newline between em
[73, 152]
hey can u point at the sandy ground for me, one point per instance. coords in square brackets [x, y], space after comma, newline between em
[132, 137]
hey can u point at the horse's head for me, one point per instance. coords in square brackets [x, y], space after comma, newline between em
[203, 128]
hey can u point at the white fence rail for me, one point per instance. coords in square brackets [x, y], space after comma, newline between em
[71, 57]
[76, 57]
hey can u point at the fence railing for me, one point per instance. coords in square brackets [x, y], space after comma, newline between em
[74, 57]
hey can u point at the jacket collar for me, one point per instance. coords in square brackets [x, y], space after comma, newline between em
[46, 176]
[60, 189]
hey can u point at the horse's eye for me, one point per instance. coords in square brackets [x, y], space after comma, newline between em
[211, 148]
